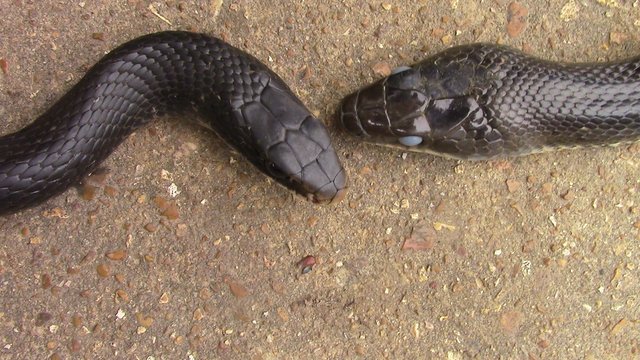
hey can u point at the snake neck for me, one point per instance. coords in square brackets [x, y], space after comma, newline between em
[548, 105]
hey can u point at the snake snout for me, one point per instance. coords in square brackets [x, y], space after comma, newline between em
[322, 174]
[348, 115]
[332, 192]
[304, 160]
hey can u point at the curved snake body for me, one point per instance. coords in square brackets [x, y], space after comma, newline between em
[170, 72]
[483, 101]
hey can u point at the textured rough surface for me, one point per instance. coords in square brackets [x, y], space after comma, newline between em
[529, 258]
[485, 101]
[232, 92]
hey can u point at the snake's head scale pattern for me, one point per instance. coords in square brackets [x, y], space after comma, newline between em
[292, 146]
[390, 108]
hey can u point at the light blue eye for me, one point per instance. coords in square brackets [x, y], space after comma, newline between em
[400, 69]
[410, 140]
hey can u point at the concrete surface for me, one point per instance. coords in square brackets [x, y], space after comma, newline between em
[530, 258]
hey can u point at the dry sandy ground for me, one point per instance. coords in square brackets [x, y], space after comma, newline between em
[528, 258]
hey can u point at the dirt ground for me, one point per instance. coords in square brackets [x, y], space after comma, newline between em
[529, 258]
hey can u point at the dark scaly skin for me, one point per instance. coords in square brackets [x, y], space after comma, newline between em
[170, 72]
[485, 101]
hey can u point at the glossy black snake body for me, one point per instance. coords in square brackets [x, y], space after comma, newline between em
[483, 101]
[170, 72]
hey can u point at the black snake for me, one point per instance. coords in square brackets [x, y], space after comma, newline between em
[476, 101]
[483, 101]
[232, 92]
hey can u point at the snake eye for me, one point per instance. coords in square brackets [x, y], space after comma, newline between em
[410, 140]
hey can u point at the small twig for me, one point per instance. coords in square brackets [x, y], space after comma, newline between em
[156, 13]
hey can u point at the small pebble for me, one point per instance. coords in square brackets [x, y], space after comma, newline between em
[98, 36]
[144, 320]
[544, 343]
[122, 295]
[517, 19]
[422, 238]
[382, 69]
[45, 280]
[161, 202]
[569, 195]
[88, 192]
[119, 278]
[103, 270]
[513, 185]
[237, 289]
[437, 32]
[121, 314]
[76, 320]
[307, 263]
[617, 38]
[312, 221]
[198, 314]
[171, 212]
[110, 191]
[164, 298]
[151, 227]
[74, 346]
[205, 294]
[117, 255]
[42, 318]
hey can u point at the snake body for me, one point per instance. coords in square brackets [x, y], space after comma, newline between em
[483, 101]
[232, 92]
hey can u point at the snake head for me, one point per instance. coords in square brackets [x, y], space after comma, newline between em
[290, 145]
[420, 108]
[391, 108]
